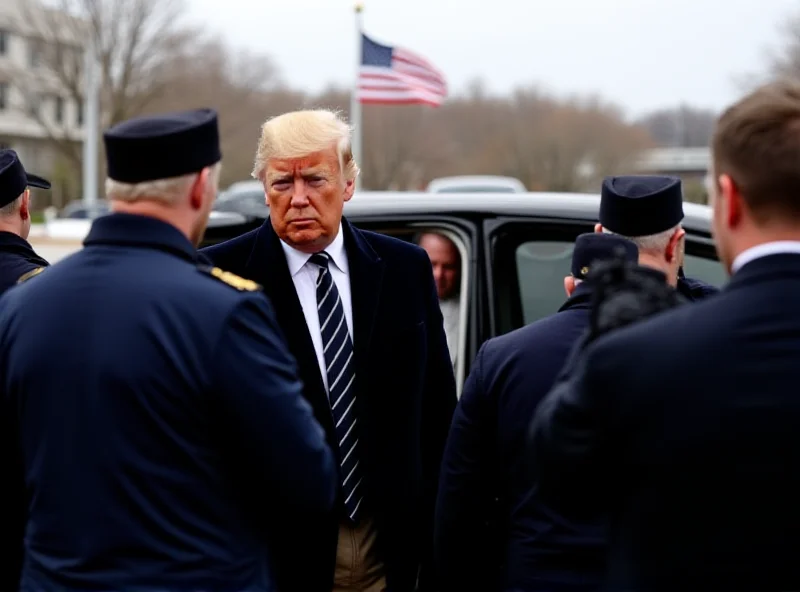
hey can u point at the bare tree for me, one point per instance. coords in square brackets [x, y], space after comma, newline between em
[134, 41]
[244, 88]
[684, 126]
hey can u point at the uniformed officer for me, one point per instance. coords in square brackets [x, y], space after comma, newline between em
[533, 547]
[17, 257]
[152, 412]
[648, 210]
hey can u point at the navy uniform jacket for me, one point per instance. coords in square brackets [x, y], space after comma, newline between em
[485, 458]
[405, 397]
[686, 427]
[693, 289]
[157, 417]
[17, 258]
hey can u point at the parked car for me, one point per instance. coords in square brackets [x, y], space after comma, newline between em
[515, 249]
[244, 197]
[477, 184]
[80, 210]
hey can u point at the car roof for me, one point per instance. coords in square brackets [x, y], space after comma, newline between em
[576, 206]
[477, 180]
[558, 206]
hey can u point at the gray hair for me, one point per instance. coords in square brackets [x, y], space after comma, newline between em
[651, 243]
[167, 191]
[11, 208]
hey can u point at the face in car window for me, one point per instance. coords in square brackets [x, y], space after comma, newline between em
[446, 262]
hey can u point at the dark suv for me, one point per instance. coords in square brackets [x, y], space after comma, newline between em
[515, 249]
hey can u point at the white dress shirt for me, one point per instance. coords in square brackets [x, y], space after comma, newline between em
[763, 250]
[304, 275]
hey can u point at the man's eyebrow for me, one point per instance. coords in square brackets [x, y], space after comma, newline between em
[282, 176]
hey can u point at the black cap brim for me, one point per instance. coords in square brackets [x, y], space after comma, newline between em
[37, 181]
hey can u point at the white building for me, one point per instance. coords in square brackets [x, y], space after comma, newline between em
[40, 116]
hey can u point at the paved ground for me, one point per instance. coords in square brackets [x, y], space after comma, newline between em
[53, 250]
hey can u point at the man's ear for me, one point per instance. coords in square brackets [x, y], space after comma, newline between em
[672, 246]
[569, 285]
[598, 227]
[25, 206]
[732, 201]
[198, 190]
[349, 189]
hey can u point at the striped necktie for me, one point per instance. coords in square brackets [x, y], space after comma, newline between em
[340, 369]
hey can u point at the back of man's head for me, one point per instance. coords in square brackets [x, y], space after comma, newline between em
[15, 195]
[757, 145]
[166, 166]
[591, 248]
[647, 210]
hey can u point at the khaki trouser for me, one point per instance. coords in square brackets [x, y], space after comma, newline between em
[358, 569]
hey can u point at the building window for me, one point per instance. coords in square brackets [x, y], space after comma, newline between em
[33, 106]
[59, 108]
[4, 39]
[3, 96]
[34, 53]
[79, 113]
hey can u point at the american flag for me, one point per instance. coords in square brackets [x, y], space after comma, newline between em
[396, 76]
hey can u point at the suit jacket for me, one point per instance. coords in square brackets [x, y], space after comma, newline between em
[17, 258]
[686, 427]
[532, 546]
[151, 422]
[405, 397]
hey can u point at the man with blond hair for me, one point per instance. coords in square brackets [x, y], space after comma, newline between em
[362, 317]
[150, 412]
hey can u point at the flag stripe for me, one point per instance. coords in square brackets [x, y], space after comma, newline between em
[393, 75]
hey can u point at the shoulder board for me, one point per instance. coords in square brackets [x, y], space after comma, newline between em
[29, 274]
[231, 279]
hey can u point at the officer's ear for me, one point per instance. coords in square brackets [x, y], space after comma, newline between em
[199, 189]
[569, 285]
[25, 206]
[598, 227]
[673, 249]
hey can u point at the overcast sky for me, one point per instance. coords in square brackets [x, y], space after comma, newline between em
[641, 54]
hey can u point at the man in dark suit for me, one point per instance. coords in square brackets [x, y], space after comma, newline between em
[685, 426]
[17, 257]
[362, 318]
[152, 421]
[533, 548]
[648, 209]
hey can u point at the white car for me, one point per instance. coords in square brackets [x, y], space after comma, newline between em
[476, 184]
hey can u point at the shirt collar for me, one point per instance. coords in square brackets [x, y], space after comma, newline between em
[763, 250]
[297, 259]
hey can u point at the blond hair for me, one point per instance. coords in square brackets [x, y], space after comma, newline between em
[299, 133]
[167, 191]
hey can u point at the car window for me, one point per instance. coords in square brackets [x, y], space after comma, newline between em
[542, 265]
[706, 270]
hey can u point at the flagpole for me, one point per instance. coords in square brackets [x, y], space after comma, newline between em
[91, 122]
[355, 104]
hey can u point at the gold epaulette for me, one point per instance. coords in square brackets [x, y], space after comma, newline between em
[29, 274]
[231, 279]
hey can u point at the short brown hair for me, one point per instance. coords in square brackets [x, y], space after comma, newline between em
[757, 143]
